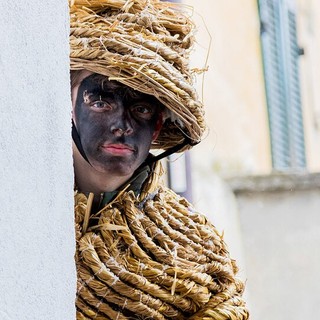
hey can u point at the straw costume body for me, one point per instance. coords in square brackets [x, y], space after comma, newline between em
[148, 255]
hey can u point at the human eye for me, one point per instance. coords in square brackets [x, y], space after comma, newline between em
[144, 111]
[100, 105]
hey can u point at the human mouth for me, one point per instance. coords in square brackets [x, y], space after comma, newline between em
[118, 149]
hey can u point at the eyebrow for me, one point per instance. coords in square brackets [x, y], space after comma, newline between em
[103, 85]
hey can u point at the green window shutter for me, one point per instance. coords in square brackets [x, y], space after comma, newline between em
[280, 59]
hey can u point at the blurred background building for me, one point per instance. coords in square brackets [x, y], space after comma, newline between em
[256, 174]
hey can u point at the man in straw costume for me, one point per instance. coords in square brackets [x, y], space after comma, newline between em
[143, 252]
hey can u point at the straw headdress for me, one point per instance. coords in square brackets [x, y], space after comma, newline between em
[144, 44]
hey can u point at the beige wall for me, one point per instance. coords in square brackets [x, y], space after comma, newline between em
[234, 96]
[309, 40]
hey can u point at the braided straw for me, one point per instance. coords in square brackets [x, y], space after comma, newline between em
[144, 44]
[153, 257]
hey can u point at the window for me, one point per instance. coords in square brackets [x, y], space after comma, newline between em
[280, 58]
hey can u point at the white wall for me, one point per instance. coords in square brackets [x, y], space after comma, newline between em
[37, 272]
[280, 225]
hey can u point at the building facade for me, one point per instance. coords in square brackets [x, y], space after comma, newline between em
[260, 89]
[256, 174]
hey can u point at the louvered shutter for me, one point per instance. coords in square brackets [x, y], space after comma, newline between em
[280, 58]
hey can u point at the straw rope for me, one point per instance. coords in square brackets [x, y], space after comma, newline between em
[153, 257]
[144, 44]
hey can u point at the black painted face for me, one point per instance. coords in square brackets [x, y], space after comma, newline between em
[116, 124]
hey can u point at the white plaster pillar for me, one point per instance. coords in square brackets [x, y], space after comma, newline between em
[37, 271]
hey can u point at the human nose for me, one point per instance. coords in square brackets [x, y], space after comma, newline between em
[122, 125]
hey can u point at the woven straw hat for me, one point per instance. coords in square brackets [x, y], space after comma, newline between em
[144, 44]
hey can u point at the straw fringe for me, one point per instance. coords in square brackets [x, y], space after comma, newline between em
[152, 263]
